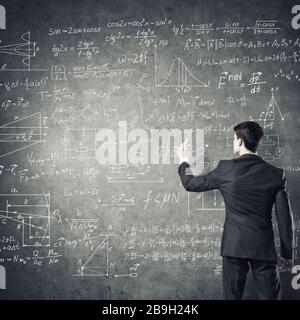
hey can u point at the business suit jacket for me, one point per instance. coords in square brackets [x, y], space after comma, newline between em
[250, 186]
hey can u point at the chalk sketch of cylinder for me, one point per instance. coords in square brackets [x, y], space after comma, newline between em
[2, 18]
[2, 278]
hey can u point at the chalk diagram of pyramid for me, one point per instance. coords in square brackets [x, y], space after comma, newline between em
[20, 134]
[179, 75]
[25, 49]
[269, 114]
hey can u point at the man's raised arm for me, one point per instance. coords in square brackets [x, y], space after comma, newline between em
[205, 182]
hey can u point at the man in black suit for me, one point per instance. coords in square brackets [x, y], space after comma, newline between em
[250, 186]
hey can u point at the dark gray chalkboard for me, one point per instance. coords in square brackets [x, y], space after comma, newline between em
[73, 228]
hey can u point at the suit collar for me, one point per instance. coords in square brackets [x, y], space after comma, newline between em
[249, 155]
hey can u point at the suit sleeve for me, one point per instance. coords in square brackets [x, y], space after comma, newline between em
[208, 181]
[284, 218]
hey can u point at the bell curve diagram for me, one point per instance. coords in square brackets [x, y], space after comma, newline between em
[179, 75]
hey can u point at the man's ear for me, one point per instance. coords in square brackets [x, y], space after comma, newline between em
[240, 142]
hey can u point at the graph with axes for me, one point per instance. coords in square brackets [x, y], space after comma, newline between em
[31, 214]
[25, 51]
[21, 133]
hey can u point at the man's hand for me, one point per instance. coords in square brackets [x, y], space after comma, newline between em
[183, 151]
[286, 264]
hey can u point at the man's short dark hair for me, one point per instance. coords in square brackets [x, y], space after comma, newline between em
[250, 132]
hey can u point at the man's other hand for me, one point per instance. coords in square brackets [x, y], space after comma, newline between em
[286, 264]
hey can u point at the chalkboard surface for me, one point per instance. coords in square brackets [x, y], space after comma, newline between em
[72, 72]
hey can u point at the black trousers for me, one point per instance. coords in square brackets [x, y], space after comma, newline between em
[265, 275]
